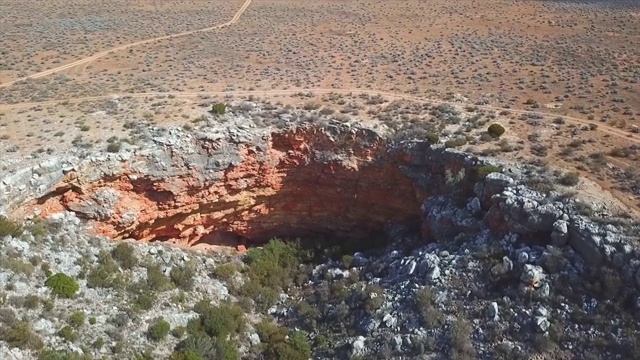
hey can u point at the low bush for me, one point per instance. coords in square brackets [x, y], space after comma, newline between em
[21, 336]
[457, 142]
[68, 334]
[425, 302]
[279, 343]
[482, 171]
[221, 320]
[201, 346]
[77, 319]
[124, 254]
[496, 130]
[62, 285]
[218, 109]
[570, 179]
[183, 276]
[156, 279]
[106, 274]
[433, 138]
[159, 329]
[9, 227]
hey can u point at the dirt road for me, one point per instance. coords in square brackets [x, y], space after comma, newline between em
[91, 58]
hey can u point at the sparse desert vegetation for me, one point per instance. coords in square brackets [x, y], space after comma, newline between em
[549, 88]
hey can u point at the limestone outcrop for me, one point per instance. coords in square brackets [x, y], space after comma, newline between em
[227, 184]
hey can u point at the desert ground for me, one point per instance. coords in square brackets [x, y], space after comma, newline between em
[561, 76]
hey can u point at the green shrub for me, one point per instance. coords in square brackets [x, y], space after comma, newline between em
[570, 179]
[124, 254]
[182, 276]
[279, 343]
[77, 319]
[221, 320]
[218, 109]
[98, 344]
[32, 302]
[51, 354]
[62, 285]
[460, 337]
[156, 279]
[179, 331]
[21, 336]
[433, 138]
[68, 334]
[457, 142]
[430, 315]
[106, 274]
[17, 265]
[92, 320]
[226, 271]
[159, 329]
[201, 346]
[9, 227]
[496, 130]
[114, 147]
[185, 355]
[484, 170]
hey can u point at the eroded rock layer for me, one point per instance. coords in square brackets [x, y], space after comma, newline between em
[348, 183]
[230, 184]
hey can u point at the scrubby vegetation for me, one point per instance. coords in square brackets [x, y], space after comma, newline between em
[62, 285]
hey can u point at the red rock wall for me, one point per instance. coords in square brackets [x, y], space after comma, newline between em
[305, 183]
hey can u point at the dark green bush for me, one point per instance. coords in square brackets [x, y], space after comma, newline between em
[68, 334]
[51, 354]
[221, 320]
[218, 109]
[280, 343]
[182, 276]
[114, 147]
[106, 274]
[271, 269]
[156, 279]
[77, 319]
[21, 336]
[159, 329]
[201, 346]
[496, 130]
[570, 179]
[62, 285]
[430, 315]
[9, 227]
[484, 170]
[124, 254]
[457, 142]
[433, 138]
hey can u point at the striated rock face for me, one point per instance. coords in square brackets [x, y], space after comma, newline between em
[230, 184]
[347, 182]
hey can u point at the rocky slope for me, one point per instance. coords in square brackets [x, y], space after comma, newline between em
[475, 263]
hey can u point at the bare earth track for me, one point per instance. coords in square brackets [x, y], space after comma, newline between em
[91, 58]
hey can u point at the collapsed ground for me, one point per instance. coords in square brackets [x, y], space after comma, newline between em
[468, 263]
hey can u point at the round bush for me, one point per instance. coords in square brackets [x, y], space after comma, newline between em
[62, 285]
[496, 130]
[159, 329]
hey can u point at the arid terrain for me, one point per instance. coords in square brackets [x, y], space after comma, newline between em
[550, 59]
[330, 179]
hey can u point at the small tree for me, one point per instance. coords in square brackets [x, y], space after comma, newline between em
[218, 109]
[62, 285]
